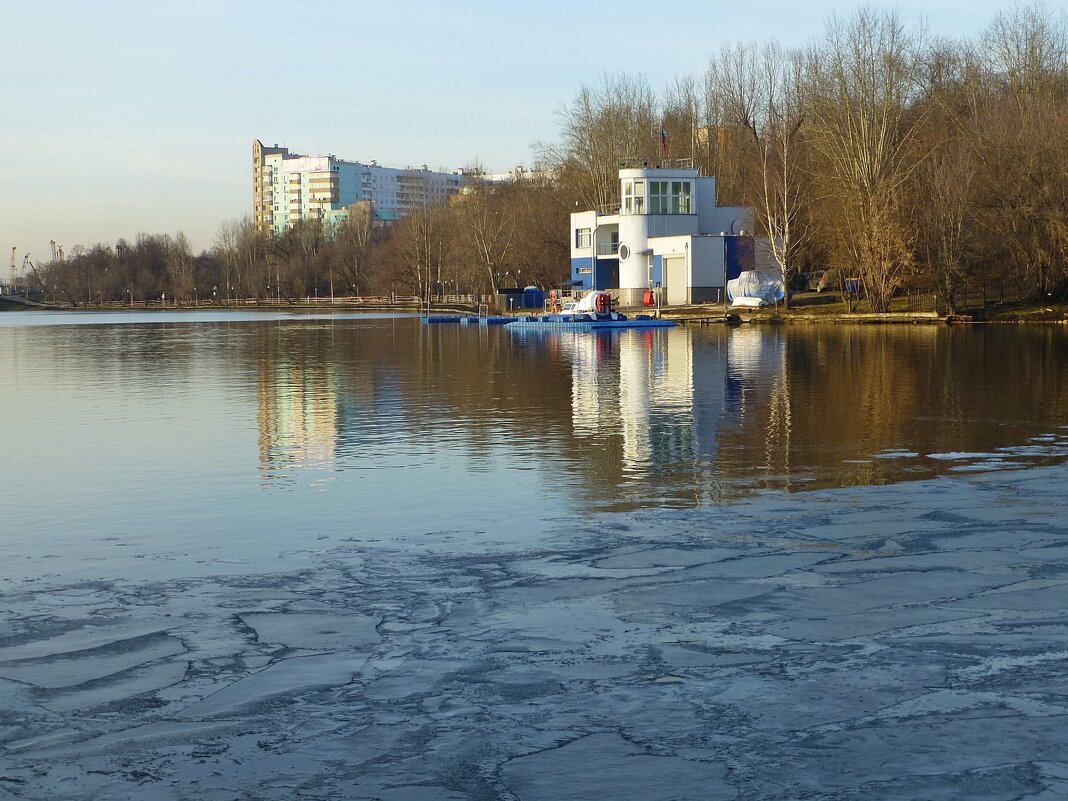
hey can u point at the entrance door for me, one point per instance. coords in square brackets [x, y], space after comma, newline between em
[675, 279]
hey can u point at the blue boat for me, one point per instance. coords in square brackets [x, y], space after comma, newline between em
[593, 313]
[584, 322]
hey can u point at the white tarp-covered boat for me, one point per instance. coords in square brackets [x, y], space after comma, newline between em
[753, 288]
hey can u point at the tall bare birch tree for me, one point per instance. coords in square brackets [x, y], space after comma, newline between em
[179, 267]
[356, 234]
[764, 91]
[485, 232]
[862, 80]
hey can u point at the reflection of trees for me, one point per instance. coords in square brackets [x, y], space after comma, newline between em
[844, 394]
[682, 416]
[668, 417]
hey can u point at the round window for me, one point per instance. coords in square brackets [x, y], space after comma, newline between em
[624, 252]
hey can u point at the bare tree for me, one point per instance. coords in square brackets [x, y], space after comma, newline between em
[356, 233]
[1020, 133]
[862, 81]
[180, 267]
[764, 95]
[602, 127]
[421, 248]
[485, 227]
[226, 251]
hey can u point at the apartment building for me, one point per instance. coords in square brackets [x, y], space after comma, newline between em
[289, 187]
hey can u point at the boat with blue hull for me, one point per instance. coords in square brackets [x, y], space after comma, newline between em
[581, 322]
[594, 312]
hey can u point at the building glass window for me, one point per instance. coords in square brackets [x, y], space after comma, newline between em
[680, 197]
[634, 197]
[583, 237]
[658, 197]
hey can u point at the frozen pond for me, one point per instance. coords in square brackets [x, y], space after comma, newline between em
[271, 556]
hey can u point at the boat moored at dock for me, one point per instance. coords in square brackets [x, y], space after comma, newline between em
[594, 311]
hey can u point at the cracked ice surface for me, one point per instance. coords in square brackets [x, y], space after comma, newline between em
[898, 642]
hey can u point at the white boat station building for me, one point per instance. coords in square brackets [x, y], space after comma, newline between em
[668, 234]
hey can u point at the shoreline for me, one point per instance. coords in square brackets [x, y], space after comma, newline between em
[704, 314]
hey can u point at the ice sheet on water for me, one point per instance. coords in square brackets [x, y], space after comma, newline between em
[607, 766]
[984, 466]
[666, 557]
[896, 454]
[104, 635]
[73, 742]
[68, 670]
[115, 689]
[286, 678]
[938, 603]
[949, 701]
[313, 630]
[952, 456]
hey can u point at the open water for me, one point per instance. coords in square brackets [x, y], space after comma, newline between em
[210, 433]
[266, 555]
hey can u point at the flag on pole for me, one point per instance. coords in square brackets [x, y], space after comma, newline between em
[663, 140]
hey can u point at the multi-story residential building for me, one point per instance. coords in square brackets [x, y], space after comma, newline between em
[290, 187]
[668, 233]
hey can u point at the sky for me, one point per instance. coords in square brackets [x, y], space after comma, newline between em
[120, 117]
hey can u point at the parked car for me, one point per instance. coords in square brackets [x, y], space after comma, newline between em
[819, 280]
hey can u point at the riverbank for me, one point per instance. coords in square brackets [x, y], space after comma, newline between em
[805, 308]
[814, 307]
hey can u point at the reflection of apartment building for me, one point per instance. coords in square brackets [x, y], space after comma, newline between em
[288, 187]
[298, 425]
[668, 233]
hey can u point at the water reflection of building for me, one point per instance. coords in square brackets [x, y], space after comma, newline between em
[298, 421]
[656, 391]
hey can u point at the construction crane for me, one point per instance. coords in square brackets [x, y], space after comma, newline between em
[27, 267]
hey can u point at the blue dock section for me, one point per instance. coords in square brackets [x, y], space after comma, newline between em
[471, 319]
[589, 325]
[530, 323]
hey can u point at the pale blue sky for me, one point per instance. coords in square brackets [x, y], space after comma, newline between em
[122, 116]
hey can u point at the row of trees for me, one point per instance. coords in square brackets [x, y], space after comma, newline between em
[893, 156]
[493, 235]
